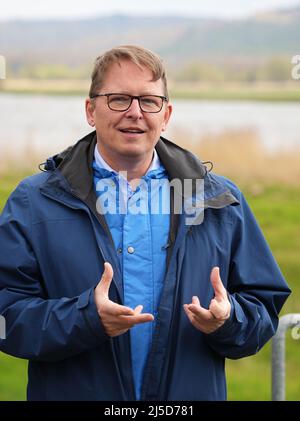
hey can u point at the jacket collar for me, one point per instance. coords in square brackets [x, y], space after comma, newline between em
[75, 165]
[182, 164]
[179, 162]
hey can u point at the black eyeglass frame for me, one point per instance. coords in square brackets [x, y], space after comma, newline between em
[132, 97]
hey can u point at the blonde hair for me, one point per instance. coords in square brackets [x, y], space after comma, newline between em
[138, 55]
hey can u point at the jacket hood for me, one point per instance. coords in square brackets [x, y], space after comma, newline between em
[187, 164]
[75, 164]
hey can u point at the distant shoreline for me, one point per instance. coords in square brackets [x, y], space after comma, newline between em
[262, 91]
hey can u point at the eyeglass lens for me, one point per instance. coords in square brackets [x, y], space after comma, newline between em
[148, 103]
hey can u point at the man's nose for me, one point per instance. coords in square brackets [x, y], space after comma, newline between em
[134, 111]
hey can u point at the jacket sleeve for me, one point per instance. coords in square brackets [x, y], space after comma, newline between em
[38, 328]
[256, 288]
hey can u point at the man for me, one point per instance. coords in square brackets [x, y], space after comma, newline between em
[174, 298]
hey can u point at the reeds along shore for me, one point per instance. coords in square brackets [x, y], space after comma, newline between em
[239, 155]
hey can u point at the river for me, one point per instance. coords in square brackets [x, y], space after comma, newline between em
[49, 123]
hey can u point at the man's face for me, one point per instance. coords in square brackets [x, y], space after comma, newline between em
[131, 134]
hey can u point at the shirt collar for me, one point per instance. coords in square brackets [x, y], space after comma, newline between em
[101, 163]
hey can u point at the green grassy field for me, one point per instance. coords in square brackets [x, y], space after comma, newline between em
[277, 210]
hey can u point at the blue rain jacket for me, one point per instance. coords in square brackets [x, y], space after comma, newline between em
[53, 245]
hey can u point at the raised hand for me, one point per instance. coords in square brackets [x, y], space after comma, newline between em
[219, 309]
[116, 318]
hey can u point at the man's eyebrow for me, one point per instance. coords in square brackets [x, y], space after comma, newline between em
[128, 93]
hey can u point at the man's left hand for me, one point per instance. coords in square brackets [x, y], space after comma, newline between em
[207, 321]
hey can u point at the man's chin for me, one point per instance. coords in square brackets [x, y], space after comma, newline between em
[133, 151]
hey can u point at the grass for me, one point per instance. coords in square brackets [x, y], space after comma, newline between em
[13, 378]
[277, 211]
[274, 197]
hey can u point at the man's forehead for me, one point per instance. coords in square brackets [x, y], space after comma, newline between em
[123, 73]
[127, 67]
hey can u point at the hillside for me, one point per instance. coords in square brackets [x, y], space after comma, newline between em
[75, 43]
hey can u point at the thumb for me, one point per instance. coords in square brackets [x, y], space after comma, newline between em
[216, 282]
[106, 279]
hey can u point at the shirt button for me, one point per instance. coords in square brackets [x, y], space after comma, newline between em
[130, 249]
[119, 250]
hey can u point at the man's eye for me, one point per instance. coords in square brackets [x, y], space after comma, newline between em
[149, 101]
[119, 99]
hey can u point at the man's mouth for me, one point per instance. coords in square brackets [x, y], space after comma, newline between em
[132, 130]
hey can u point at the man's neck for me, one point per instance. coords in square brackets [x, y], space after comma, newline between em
[134, 168]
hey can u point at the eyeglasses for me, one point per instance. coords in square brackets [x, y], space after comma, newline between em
[122, 102]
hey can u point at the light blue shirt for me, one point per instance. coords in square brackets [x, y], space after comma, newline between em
[140, 229]
[155, 164]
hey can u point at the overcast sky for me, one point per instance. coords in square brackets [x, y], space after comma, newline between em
[35, 9]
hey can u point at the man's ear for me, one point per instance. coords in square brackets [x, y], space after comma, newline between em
[89, 112]
[167, 115]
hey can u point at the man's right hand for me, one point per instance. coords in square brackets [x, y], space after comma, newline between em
[116, 319]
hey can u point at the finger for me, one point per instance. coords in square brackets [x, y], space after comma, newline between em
[200, 312]
[115, 309]
[220, 291]
[200, 325]
[188, 313]
[106, 278]
[138, 319]
[143, 318]
[196, 301]
[220, 310]
[138, 309]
